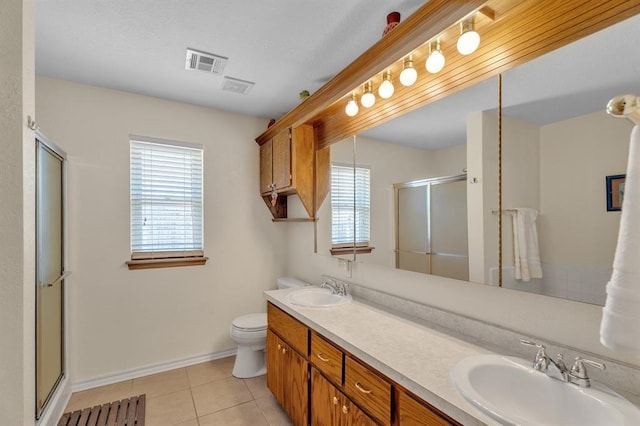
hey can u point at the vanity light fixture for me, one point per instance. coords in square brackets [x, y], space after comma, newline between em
[352, 106]
[368, 98]
[435, 60]
[409, 75]
[386, 88]
[469, 39]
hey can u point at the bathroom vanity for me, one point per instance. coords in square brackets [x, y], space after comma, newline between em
[356, 364]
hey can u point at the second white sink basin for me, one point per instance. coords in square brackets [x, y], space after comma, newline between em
[512, 392]
[317, 297]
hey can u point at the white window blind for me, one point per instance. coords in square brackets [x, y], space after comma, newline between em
[347, 209]
[166, 200]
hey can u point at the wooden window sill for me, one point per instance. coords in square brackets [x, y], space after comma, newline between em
[348, 250]
[170, 262]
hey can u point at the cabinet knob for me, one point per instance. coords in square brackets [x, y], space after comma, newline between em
[335, 400]
[284, 351]
[345, 409]
[279, 346]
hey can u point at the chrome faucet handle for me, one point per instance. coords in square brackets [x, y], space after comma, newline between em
[541, 362]
[560, 363]
[578, 373]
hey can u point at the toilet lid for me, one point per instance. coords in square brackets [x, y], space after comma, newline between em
[251, 322]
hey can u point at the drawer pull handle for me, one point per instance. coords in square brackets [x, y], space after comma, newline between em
[322, 358]
[345, 409]
[361, 389]
[335, 400]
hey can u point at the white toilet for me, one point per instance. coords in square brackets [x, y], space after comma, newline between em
[250, 334]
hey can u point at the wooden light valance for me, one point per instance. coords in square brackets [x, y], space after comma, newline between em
[512, 32]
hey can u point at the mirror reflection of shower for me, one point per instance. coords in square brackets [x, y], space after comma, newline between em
[431, 227]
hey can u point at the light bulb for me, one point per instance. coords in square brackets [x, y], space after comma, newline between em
[352, 106]
[469, 39]
[386, 88]
[409, 75]
[368, 98]
[435, 61]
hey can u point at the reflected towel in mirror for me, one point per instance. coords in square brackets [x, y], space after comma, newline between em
[525, 244]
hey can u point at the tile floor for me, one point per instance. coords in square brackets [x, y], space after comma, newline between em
[202, 394]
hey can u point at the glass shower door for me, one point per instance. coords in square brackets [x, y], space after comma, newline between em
[49, 273]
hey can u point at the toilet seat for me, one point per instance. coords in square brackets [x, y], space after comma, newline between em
[250, 322]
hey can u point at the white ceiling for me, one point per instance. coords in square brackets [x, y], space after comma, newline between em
[286, 46]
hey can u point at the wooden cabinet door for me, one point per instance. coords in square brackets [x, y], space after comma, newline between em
[330, 407]
[296, 386]
[355, 416]
[275, 381]
[266, 167]
[325, 401]
[282, 160]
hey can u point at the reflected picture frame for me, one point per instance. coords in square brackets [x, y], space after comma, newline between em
[615, 192]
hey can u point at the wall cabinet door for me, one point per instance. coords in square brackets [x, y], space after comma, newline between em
[330, 407]
[266, 167]
[287, 378]
[282, 160]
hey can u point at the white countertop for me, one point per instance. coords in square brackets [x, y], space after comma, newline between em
[413, 355]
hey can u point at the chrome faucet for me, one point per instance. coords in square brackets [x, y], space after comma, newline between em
[557, 369]
[338, 287]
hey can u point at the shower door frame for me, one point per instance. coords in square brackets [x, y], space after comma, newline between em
[41, 406]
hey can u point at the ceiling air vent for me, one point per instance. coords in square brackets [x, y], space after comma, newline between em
[203, 61]
[236, 85]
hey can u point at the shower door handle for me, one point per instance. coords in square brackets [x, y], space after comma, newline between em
[64, 275]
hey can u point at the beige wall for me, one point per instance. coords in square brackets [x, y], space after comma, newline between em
[520, 174]
[17, 214]
[123, 319]
[482, 194]
[575, 227]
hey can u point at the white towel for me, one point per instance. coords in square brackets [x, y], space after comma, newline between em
[525, 244]
[621, 313]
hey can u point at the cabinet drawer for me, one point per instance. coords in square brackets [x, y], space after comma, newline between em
[289, 329]
[413, 413]
[368, 390]
[327, 358]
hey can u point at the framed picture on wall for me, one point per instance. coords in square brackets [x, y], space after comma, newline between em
[615, 192]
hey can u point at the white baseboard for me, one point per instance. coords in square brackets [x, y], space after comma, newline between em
[57, 404]
[133, 373]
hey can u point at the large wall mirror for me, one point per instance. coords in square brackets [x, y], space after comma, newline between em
[423, 215]
[559, 146]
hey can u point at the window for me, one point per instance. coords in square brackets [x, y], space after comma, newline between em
[347, 210]
[166, 204]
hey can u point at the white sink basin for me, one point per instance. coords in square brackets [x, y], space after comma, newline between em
[317, 297]
[512, 392]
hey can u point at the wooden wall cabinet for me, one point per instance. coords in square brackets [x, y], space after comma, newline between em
[290, 165]
[319, 383]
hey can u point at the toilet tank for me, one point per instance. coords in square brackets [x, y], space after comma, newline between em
[290, 282]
